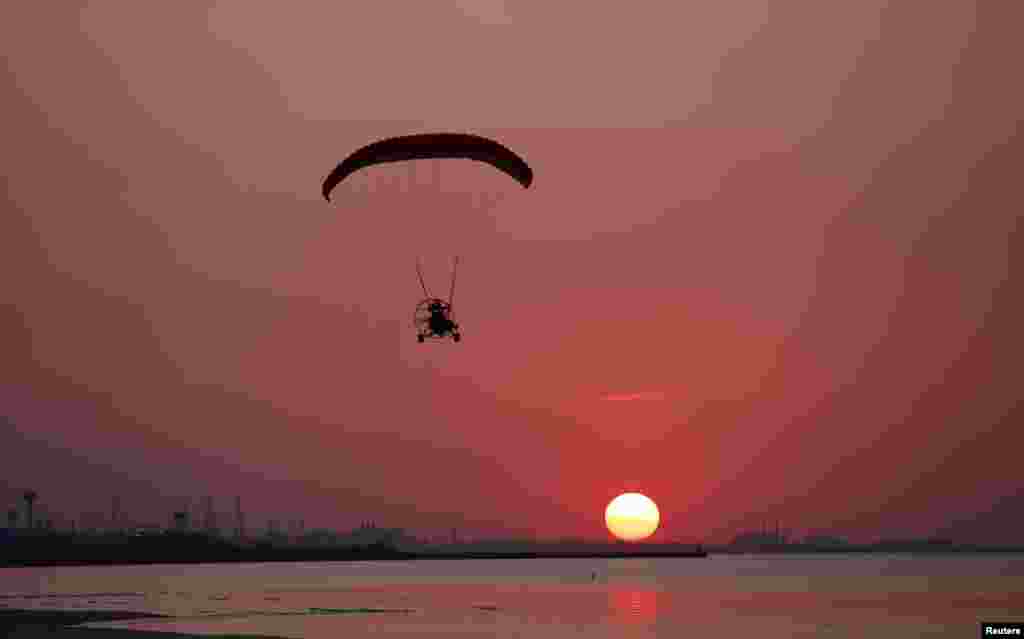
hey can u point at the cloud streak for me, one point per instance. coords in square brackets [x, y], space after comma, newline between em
[634, 397]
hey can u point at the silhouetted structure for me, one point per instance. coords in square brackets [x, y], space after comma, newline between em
[369, 534]
[825, 541]
[239, 520]
[209, 517]
[115, 514]
[12, 518]
[760, 540]
[30, 497]
[181, 522]
[911, 544]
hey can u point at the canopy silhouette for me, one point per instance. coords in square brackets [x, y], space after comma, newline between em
[427, 146]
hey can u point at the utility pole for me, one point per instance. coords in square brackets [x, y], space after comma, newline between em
[115, 514]
[239, 519]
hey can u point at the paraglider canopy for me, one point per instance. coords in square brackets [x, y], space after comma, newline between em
[427, 146]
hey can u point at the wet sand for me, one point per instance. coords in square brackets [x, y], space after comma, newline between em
[62, 624]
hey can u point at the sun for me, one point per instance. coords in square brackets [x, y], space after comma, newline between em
[632, 517]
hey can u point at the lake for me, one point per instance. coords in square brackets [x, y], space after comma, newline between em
[724, 595]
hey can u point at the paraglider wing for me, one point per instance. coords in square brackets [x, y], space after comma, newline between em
[427, 146]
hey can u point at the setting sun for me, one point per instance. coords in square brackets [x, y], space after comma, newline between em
[632, 517]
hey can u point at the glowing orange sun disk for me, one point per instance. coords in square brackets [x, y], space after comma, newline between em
[632, 517]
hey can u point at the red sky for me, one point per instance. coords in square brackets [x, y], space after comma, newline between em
[767, 270]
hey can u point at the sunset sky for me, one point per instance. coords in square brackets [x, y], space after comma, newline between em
[769, 267]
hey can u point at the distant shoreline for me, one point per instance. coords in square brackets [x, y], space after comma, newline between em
[872, 550]
[326, 557]
[295, 557]
[68, 550]
[640, 554]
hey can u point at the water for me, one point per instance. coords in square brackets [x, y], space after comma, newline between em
[791, 596]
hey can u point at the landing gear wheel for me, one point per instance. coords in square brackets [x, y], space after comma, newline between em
[457, 337]
[419, 338]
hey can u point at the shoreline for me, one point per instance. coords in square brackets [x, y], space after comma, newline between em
[21, 623]
[347, 557]
[350, 557]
